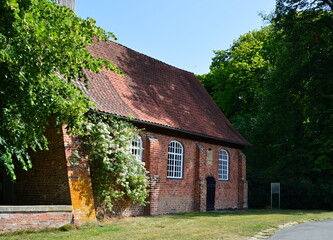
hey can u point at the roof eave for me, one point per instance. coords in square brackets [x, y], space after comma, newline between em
[191, 133]
[165, 127]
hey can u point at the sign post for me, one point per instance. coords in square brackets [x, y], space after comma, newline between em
[275, 189]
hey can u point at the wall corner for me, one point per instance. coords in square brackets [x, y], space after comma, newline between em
[80, 185]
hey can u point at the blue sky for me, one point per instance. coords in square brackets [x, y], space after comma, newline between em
[182, 33]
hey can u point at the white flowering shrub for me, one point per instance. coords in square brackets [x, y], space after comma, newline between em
[116, 174]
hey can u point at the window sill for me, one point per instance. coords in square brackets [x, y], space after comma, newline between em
[181, 178]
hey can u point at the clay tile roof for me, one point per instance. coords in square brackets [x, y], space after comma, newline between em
[157, 93]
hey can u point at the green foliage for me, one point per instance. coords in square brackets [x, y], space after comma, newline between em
[275, 85]
[300, 93]
[43, 49]
[238, 74]
[116, 173]
[285, 7]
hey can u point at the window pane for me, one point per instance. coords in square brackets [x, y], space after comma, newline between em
[136, 147]
[223, 163]
[175, 159]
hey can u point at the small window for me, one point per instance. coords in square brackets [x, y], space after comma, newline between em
[223, 168]
[136, 147]
[175, 160]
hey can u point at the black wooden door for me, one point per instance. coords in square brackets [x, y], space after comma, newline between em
[210, 199]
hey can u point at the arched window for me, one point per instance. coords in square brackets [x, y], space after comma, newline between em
[223, 168]
[136, 147]
[175, 160]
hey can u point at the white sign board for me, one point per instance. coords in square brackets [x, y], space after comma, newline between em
[275, 189]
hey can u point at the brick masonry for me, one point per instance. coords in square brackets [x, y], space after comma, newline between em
[13, 221]
[53, 180]
[47, 181]
[189, 193]
[58, 177]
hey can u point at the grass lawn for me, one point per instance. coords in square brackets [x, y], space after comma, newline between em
[230, 225]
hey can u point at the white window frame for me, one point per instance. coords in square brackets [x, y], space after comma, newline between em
[223, 165]
[136, 147]
[175, 160]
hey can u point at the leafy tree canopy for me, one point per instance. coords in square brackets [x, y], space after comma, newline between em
[275, 85]
[285, 7]
[301, 97]
[43, 49]
[237, 77]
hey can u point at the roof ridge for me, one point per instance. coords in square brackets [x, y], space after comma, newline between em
[154, 59]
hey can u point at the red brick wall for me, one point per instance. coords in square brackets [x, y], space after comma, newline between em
[172, 195]
[189, 193]
[126, 209]
[47, 181]
[13, 221]
[167, 195]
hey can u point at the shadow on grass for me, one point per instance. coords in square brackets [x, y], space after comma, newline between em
[243, 212]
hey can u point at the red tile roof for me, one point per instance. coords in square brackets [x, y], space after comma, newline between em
[155, 92]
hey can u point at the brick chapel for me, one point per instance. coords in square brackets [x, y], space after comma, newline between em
[192, 152]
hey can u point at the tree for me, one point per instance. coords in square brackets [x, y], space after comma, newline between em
[301, 98]
[278, 94]
[284, 7]
[43, 50]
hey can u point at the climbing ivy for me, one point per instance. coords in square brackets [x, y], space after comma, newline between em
[116, 174]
